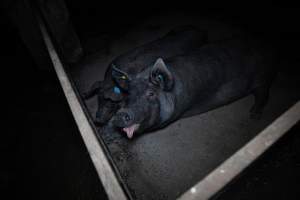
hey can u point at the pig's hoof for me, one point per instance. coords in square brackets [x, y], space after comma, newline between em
[255, 115]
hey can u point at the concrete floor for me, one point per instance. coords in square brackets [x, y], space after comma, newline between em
[165, 163]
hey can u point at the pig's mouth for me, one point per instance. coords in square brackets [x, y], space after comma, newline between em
[130, 130]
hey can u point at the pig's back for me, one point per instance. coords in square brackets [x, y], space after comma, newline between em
[176, 42]
[215, 64]
[219, 73]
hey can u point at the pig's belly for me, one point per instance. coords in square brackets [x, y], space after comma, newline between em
[225, 94]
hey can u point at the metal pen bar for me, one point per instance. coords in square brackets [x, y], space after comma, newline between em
[234, 165]
[97, 154]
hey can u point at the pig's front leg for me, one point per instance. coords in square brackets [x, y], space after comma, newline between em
[95, 89]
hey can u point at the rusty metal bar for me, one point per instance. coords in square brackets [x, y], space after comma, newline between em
[96, 152]
[233, 166]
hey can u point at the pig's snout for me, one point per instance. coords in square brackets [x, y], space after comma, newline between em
[123, 118]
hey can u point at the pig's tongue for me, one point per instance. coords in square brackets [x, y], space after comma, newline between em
[130, 130]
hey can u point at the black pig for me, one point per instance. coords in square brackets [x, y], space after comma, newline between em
[125, 67]
[211, 76]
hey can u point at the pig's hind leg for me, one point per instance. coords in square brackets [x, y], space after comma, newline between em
[261, 96]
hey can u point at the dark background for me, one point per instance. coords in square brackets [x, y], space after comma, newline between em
[42, 154]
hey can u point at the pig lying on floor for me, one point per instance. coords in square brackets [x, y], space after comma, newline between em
[125, 67]
[209, 77]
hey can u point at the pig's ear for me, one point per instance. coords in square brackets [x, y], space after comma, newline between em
[161, 75]
[121, 77]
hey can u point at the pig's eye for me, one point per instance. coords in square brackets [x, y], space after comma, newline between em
[157, 78]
